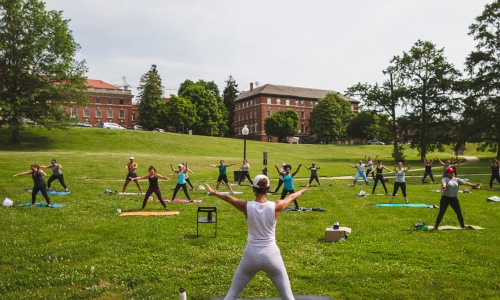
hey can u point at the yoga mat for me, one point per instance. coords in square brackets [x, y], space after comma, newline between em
[183, 201]
[305, 297]
[123, 194]
[52, 205]
[149, 213]
[460, 191]
[51, 192]
[291, 208]
[229, 193]
[448, 227]
[493, 199]
[405, 205]
[361, 180]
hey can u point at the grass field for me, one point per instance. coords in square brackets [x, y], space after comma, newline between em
[85, 251]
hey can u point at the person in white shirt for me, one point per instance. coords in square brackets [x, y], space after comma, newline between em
[261, 252]
[361, 172]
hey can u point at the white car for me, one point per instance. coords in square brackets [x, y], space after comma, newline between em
[375, 142]
[107, 125]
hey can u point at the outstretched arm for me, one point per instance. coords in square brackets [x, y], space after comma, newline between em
[172, 167]
[139, 178]
[440, 161]
[297, 171]
[161, 176]
[24, 173]
[387, 169]
[282, 204]
[240, 205]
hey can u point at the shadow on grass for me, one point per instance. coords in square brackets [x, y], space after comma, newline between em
[30, 141]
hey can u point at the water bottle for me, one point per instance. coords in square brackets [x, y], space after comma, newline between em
[336, 225]
[182, 294]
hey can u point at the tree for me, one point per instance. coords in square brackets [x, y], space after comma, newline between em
[369, 125]
[483, 68]
[229, 96]
[152, 110]
[429, 94]
[38, 71]
[211, 115]
[181, 113]
[329, 119]
[282, 124]
[385, 98]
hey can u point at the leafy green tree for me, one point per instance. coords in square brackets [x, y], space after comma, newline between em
[282, 124]
[211, 114]
[38, 71]
[329, 119]
[181, 113]
[229, 96]
[482, 105]
[369, 125]
[384, 98]
[429, 94]
[152, 109]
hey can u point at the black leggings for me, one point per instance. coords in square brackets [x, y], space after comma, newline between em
[443, 205]
[150, 191]
[397, 185]
[492, 178]
[381, 179]
[368, 171]
[314, 177]
[243, 175]
[58, 177]
[34, 192]
[285, 192]
[184, 188]
[428, 174]
[280, 182]
[189, 182]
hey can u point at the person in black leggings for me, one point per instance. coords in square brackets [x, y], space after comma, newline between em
[153, 186]
[428, 170]
[314, 173]
[495, 173]
[181, 180]
[244, 172]
[379, 177]
[56, 174]
[39, 183]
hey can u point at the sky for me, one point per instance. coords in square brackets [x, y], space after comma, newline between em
[323, 44]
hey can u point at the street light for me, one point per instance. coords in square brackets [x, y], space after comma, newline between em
[245, 131]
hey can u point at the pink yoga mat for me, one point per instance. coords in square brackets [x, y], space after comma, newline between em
[183, 201]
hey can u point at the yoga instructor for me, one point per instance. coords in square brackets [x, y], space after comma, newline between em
[261, 252]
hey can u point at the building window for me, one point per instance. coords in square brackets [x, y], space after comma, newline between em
[122, 114]
[251, 102]
[97, 100]
[303, 129]
[302, 114]
[311, 103]
[122, 102]
[98, 113]
[301, 102]
[269, 112]
[73, 111]
[133, 116]
[296, 102]
[278, 101]
[86, 112]
[269, 101]
[110, 101]
[110, 113]
[287, 102]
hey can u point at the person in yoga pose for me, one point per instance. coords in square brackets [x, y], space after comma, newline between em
[361, 172]
[261, 252]
[56, 174]
[449, 196]
[400, 180]
[379, 177]
[288, 182]
[428, 170]
[495, 171]
[181, 180]
[280, 180]
[153, 186]
[244, 172]
[369, 165]
[447, 165]
[222, 174]
[314, 173]
[39, 183]
[132, 169]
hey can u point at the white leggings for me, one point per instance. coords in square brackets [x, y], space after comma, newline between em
[252, 262]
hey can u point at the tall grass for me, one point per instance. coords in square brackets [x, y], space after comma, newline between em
[85, 251]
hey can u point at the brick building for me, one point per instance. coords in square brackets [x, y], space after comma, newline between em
[107, 103]
[252, 107]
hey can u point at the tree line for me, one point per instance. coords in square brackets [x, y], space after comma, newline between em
[423, 99]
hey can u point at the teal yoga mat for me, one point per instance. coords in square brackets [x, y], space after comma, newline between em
[50, 192]
[405, 205]
[52, 205]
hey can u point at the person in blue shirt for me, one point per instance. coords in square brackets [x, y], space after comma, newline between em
[222, 175]
[288, 182]
[181, 180]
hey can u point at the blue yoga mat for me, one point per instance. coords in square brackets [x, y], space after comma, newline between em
[52, 205]
[51, 192]
[405, 205]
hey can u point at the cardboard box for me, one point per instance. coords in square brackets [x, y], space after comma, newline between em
[332, 235]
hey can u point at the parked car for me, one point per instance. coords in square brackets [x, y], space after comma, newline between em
[159, 129]
[137, 127]
[108, 125]
[292, 140]
[375, 142]
[83, 124]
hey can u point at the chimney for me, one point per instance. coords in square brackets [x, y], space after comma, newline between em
[251, 86]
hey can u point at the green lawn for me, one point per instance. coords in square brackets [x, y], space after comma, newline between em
[84, 250]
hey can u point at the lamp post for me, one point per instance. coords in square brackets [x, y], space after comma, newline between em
[245, 131]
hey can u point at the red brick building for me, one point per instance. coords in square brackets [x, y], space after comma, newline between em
[107, 103]
[252, 107]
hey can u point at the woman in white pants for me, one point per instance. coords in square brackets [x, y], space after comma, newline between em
[262, 252]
